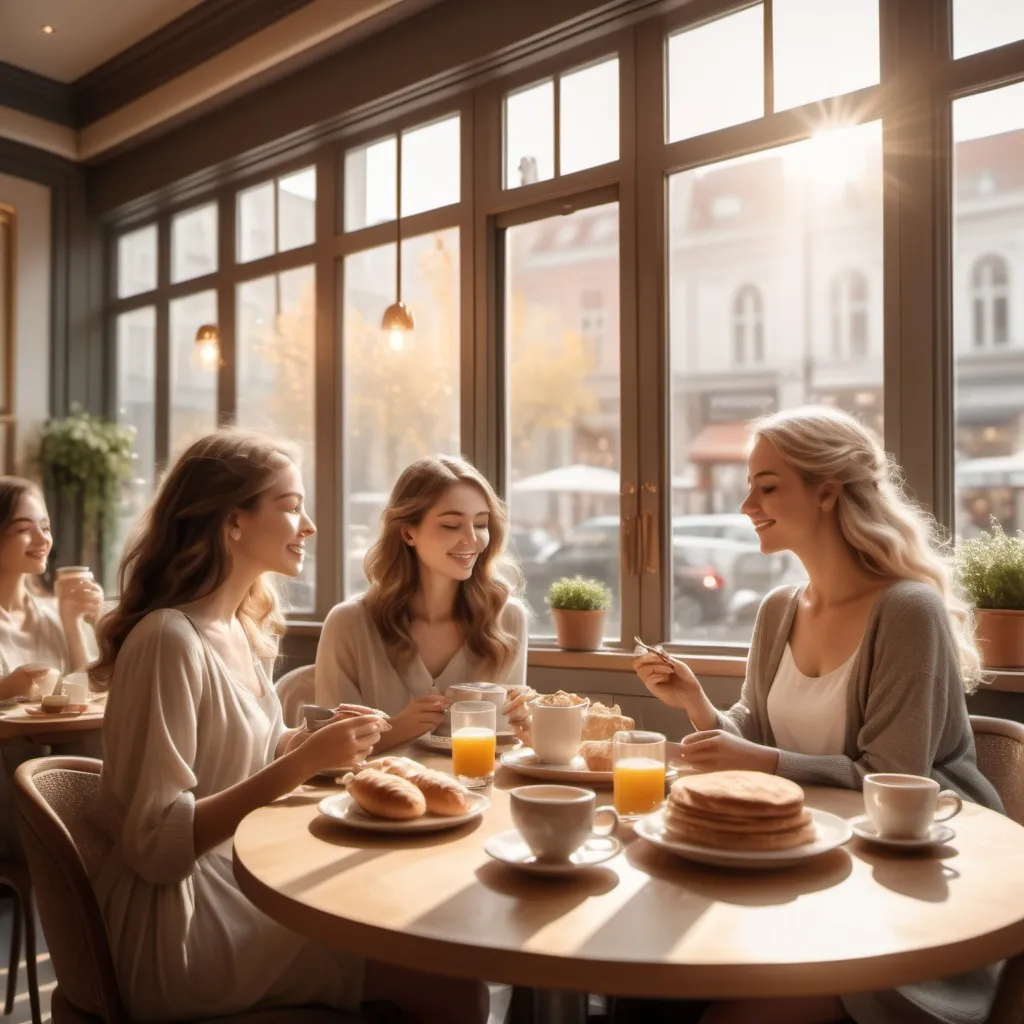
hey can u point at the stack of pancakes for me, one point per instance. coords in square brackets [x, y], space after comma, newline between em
[738, 810]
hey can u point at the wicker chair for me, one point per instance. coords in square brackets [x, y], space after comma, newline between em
[54, 796]
[1000, 749]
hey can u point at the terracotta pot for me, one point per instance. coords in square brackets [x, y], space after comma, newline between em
[579, 631]
[1000, 636]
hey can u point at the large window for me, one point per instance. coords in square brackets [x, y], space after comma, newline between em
[988, 215]
[563, 402]
[791, 218]
[616, 257]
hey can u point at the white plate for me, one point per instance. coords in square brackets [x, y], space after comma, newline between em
[510, 848]
[832, 831]
[341, 807]
[444, 743]
[525, 762]
[937, 835]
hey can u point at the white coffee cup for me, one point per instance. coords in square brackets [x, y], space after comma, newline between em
[904, 806]
[76, 686]
[557, 730]
[492, 692]
[44, 678]
[66, 573]
[556, 821]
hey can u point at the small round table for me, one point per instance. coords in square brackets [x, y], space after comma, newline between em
[16, 723]
[646, 923]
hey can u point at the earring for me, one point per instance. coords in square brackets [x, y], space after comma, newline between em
[235, 534]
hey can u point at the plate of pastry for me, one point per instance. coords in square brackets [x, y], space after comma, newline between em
[742, 819]
[397, 794]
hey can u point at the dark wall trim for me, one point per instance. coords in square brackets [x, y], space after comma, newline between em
[417, 60]
[75, 341]
[199, 34]
[36, 94]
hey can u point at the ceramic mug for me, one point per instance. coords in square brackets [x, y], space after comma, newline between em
[492, 692]
[557, 730]
[904, 806]
[555, 821]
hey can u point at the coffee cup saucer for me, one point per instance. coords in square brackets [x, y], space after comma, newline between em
[938, 834]
[510, 848]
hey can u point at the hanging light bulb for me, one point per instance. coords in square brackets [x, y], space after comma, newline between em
[397, 320]
[206, 353]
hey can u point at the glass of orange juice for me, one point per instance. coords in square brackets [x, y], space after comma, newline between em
[473, 740]
[638, 772]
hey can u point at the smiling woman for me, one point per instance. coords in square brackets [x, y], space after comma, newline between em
[439, 609]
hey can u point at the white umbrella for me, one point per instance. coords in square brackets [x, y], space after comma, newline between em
[1000, 471]
[576, 479]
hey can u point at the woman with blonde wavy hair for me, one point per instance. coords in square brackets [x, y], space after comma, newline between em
[862, 669]
[194, 741]
[439, 609]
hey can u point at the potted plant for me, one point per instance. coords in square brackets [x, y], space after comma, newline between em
[579, 608]
[990, 569]
[85, 459]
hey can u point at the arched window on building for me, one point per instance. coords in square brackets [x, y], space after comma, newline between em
[990, 292]
[848, 302]
[748, 326]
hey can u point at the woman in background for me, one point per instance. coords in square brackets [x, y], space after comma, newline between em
[438, 611]
[194, 741]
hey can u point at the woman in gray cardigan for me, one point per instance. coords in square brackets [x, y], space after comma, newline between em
[862, 669]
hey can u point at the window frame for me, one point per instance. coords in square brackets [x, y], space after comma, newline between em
[919, 81]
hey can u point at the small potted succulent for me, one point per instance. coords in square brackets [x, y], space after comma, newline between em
[579, 608]
[990, 569]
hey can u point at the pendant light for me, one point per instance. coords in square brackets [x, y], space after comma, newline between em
[397, 319]
[206, 352]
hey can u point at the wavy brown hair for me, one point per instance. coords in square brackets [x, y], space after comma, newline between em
[394, 570]
[178, 553]
[892, 536]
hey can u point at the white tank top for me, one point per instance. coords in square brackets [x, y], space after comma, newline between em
[808, 713]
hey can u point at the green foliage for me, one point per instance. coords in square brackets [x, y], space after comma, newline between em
[990, 568]
[86, 459]
[579, 595]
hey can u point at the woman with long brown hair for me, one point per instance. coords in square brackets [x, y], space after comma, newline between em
[194, 741]
[32, 633]
[439, 609]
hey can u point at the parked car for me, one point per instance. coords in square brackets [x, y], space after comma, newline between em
[592, 550]
[727, 525]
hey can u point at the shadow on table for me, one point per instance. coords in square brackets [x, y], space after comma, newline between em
[746, 888]
[921, 876]
[338, 834]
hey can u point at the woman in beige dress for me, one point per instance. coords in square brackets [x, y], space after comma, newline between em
[439, 610]
[862, 669]
[35, 634]
[194, 741]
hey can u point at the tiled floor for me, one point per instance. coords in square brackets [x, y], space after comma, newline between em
[21, 1013]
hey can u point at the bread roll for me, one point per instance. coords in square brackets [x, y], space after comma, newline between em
[597, 754]
[602, 722]
[404, 767]
[443, 794]
[387, 796]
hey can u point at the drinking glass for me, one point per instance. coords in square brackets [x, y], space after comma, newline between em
[638, 771]
[473, 741]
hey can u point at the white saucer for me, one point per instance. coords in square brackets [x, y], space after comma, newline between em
[341, 807]
[444, 743]
[510, 848]
[938, 834]
[830, 831]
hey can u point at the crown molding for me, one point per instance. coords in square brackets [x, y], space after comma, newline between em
[196, 36]
[36, 95]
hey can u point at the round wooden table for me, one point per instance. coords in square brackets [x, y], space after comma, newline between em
[16, 723]
[646, 923]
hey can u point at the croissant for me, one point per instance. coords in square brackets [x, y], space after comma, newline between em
[443, 794]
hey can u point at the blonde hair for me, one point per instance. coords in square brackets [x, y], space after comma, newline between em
[392, 566]
[179, 554]
[893, 537]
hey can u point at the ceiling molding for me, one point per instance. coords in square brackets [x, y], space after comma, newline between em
[36, 95]
[196, 36]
